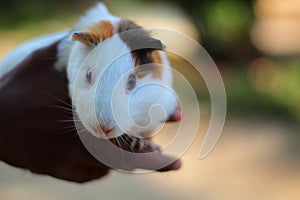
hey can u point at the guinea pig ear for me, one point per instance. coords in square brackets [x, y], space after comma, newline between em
[85, 38]
[156, 44]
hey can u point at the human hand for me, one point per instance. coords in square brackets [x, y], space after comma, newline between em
[35, 111]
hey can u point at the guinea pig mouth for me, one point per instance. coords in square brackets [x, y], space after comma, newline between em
[106, 130]
[111, 135]
[106, 133]
[102, 132]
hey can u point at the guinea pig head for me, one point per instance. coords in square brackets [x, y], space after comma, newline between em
[124, 84]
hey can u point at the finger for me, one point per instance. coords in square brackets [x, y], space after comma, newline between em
[85, 174]
[89, 160]
[147, 155]
[158, 162]
[79, 174]
[165, 162]
[176, 165]
[128, 159]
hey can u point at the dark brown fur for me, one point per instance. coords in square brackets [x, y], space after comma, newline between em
[144, 49]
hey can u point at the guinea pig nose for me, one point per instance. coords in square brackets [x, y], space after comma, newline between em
[106, 129]
[176, 116]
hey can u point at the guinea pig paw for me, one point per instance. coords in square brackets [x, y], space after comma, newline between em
[136, 144]
[144, 145]
[151, 146]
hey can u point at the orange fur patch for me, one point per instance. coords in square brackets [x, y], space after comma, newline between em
[156, 57]
[146, 59]
[96, 33]
[157, 60]
[102, 30]
[153, 68]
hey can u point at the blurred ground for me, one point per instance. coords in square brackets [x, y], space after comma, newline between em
[252, 160]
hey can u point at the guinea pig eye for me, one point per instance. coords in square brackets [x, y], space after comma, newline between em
[131, 82]
[88, 77]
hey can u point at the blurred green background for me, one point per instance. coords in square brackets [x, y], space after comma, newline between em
[228, 29]
[256, 46]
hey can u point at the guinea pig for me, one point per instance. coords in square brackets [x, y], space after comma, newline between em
[116, 74]
[108, 46]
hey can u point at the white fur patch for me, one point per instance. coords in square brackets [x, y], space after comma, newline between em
[100, 92]
[23, 51]
[96, 14]
[106, 101]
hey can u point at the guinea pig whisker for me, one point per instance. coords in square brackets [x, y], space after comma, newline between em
[69, 130]
[125, 144]
[66, 128]
[128, 143]
[135, 143]
[64, 108]
[118, 142]
[114, 141]
[77, 130]
[81, 130]
[75, 116]
[56, 98]
[69, 120]
[71, 125]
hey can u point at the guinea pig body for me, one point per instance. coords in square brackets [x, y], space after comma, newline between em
[15, 57]
[117, 70]
[118, 74]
